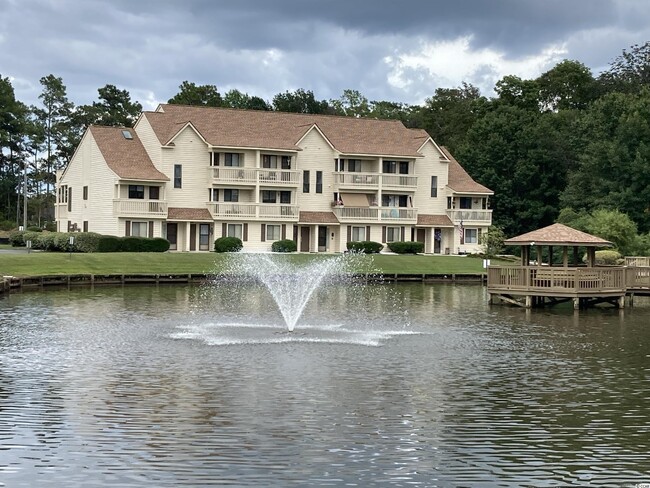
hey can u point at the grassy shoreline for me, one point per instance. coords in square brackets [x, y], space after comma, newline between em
[48, 264]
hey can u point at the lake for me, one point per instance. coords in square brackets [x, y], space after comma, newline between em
[380, 385]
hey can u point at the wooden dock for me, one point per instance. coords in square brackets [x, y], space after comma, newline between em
[533, 286]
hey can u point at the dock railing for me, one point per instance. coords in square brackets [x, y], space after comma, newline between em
[560, 280]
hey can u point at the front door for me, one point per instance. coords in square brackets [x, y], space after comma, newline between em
[192, 237]
[304, 239]
[421, 238]
[437, 240]
[172, 235]
[322, 238]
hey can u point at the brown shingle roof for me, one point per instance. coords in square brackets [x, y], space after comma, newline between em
[282, 131]
[127, 158]
[459, 180]
[177, 213]
[317, 218]
[426, 220]
[558, 234]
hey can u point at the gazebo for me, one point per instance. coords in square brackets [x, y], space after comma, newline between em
[535, 283]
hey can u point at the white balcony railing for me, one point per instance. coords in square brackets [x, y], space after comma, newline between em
[376, 214]
[252, 176]
[264, 211]
[399, 181]
[373, 180]
[125, 207]
[470, 215]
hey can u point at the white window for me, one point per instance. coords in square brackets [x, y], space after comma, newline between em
[272, 232]
[235, 230]
[471, 236]
[139, 229]
[392, 234]
[358, 234]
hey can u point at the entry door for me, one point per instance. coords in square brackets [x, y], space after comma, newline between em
[172, 235]
[421, 238]
[192, 237]
[322, 238]
[304, 239]
[437, 240]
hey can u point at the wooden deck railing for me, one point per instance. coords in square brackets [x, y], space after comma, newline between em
[637, 278]
[550, 280]
[637, 261]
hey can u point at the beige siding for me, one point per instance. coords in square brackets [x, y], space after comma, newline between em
[192, 153]
[88, 168]
[316, 155]
[430, 165]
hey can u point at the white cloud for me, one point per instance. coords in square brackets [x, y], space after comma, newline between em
[449, 63]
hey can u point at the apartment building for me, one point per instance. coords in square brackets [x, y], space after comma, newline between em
[193, 174]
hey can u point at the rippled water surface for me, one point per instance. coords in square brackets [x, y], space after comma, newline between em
[391, 385]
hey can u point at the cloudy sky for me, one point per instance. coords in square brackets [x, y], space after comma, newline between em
[397, 50]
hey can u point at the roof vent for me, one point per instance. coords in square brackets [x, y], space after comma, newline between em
[127, 134]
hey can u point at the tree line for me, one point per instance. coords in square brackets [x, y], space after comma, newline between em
[560, 147]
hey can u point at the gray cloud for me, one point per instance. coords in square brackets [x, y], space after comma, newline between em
[265, 47]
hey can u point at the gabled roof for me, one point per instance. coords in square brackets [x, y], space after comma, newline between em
[317, 218]
[428, 220]
[459, 180]
[225, 127]
[558, 234]
[180, 213]
[127, 158]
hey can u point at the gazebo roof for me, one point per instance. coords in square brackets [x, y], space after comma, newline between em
[558, 235]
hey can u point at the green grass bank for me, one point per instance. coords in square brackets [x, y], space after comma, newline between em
[48, 264]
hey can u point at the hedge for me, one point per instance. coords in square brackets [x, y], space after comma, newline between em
[367, 247]
[228, 244]
[406, 247]
[284, 245]
[87, 242]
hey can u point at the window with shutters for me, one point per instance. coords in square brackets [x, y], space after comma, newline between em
[273, 232]
[358, 233]
[235, 230]
[471, 236]
[140, 229]
[392, 234]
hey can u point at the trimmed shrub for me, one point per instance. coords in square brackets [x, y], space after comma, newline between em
[109, 244]
[86, 241]
[367, 247]
[284, 245]
[62, 242]
[228, 244]
[608, 258]
[47, 241]
[32, 236]
[34, 228]
[16, 238]
[406, 247]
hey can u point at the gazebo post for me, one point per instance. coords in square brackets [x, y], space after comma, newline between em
[539, 255]
[550, 255]
[591, 257]
[565, 256]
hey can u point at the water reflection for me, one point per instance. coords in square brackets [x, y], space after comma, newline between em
[97, 389]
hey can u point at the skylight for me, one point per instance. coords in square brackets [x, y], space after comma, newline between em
[127, 134]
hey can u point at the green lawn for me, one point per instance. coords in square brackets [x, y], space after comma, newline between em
[42, 263]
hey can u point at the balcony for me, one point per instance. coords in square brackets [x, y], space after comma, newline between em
[372, 181]
[130, 207]
[406, 215]
[263, 211]
[253, 176]
[470, 216]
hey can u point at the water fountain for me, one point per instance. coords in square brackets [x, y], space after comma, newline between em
[290, 285]
[250, 287]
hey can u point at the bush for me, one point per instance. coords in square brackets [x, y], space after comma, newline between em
[228, 244]
[367, 247]
[34, 228]
[32, 236]
[284, 245]
[47, 241]
[406, 247]
[7, 225]
[109, 244]
[86, 241]
[607, 258]
[62, 242]
[16, 238]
